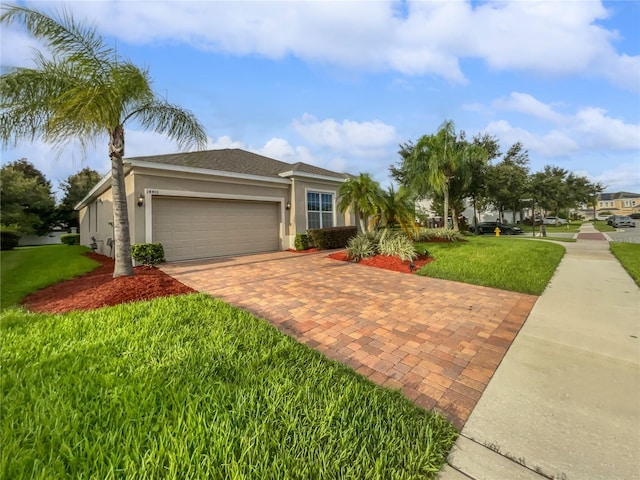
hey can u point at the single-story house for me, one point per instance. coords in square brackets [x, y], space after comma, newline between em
[215, 203]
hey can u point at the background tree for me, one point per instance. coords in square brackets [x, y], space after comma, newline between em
[434, 162]
[594, 190]
[557, 190]
[507, 181]
[478, 166]
[26, 199]
[75, 188]
[361, 195]
[81, 90]
[440, 166]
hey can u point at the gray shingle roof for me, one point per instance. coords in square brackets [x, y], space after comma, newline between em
[617, 195]
[236, 161]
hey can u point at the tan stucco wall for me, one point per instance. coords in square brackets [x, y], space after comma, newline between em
[154, 180]
[301, 187]
[136, 184]
[102, 230]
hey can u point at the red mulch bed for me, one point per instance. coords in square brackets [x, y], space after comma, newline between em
[99, 289]
[387, 263]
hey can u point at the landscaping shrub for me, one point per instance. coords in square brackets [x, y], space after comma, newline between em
[148, 254]
[9, 237]
[426, 234]
[362, 246]
[70, 239]
[397, 244]
[302, 241]
[333, 237]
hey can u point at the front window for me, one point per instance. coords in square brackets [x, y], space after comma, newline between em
[319, 210]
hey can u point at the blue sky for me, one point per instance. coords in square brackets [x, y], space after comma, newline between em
[341, 84]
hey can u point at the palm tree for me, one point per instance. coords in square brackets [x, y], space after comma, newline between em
[435, 155]
[441, 158]
[361, 195]
[396, 209]
[83, 91]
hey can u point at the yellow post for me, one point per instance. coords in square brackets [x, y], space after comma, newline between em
[497, 230]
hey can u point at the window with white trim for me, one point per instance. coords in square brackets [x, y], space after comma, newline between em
[319, 210]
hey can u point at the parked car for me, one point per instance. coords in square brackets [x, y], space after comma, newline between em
[613, 218]
[490, 228]
[554, 221]
[623, 221]
[635, 216]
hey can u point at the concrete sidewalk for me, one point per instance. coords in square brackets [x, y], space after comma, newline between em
[565, 401]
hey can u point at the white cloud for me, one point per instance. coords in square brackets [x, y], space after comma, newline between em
[600, 131]
[552, 38]
[551, 144]
[347, 136]
[624, 177]
[587, 129]
[224, 142]
[525, 103]
[277, 148]
[16, 48]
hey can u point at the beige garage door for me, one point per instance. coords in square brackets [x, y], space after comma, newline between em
[200, 228]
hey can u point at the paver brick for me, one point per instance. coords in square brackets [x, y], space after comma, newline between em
[439, 342]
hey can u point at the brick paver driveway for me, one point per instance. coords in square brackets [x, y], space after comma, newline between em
[437, 341]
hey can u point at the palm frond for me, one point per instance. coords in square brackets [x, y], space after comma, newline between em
[175, 122]
[64, 36]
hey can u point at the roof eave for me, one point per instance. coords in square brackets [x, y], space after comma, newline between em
[314, 176]
[207, 171]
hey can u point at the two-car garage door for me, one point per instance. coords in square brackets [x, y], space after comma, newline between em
[190, 228]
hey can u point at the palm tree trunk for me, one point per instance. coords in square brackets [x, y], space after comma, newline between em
[446, 204]
[123, 263]
[475, 212]
[362, 220]
[454, 219]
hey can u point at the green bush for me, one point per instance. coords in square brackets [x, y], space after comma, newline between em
[362, 246]
[70, 239]
[397, 244]
[9, 237]
[148, 254]
[302, 241]
[426, 234]
[333, 237]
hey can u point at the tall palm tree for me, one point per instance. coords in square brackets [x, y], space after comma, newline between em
[396, 209]
[435, 155]
[83, 91]
[361, 195]
[441, 158]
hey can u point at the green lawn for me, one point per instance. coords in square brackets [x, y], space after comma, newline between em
[629, 256]
[500, 262]
[25, 270]
[572, 227]
[602, 226]
[190, 387]
[551, 238]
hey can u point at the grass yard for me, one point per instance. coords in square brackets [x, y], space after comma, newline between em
[500, 262]
[190, 387]
[553, 239]
[25, 270]
[602, 226]
[573, 227]
[629, 256]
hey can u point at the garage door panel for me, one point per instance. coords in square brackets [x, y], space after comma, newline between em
[201, 228]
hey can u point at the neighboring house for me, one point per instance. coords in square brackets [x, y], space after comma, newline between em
[426, 213]
[215, 203]
[52, 238]
[619, 203]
